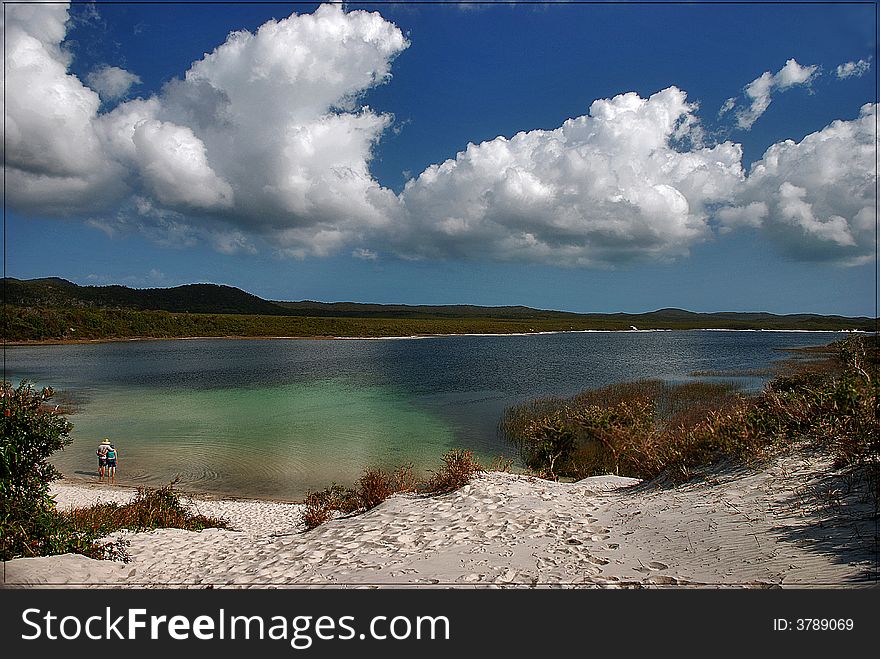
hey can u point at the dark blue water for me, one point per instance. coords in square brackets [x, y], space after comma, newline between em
[280, 417]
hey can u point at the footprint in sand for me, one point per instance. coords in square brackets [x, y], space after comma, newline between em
[597, 560]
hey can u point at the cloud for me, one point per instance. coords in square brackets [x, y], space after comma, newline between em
[601, 189]
[264, 134]
[759, 91]
[172, 229]
[111, 82]
[853, 69]
[728, 105]
[365, 254]
[266, 141]
[815, 198]
[55, 162]
[174, 167]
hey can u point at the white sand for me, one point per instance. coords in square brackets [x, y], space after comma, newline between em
[752, 528]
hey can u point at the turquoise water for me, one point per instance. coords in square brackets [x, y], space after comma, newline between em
[277, 418]
[268, 441]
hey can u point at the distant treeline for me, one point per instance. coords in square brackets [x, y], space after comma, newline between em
[56, 309]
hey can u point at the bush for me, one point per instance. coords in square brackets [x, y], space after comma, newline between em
[615, 429]
[376, 485]
[646, 428]
[150, 509]
[458, 467]
[30, 431]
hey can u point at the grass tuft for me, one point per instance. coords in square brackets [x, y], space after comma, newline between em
[376, 485]
[458, 467]
[150, 509]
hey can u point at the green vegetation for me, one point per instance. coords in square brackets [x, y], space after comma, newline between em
[86, 324]
[377, 485]
[53, 292]
[31, 429]
[57, 310]
[41, 324]
[647, 429]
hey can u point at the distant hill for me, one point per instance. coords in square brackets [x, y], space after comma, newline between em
[214, 298]
[191, 298]
[61, 295]
[361, 310]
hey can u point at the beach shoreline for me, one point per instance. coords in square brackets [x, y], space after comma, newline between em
[61, 342]
[761, 527]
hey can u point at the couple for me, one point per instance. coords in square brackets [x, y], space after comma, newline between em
[107, 458]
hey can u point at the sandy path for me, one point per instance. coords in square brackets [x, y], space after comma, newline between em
[752, 528]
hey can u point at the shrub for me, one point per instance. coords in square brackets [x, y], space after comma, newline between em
[376, 485]
[317, 510]
[458, 467]
[30, 431]
[646, 428]
[150, 509]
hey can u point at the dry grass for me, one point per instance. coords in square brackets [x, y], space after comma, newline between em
[647, 428]
[458, 468]
[616, 429]
[376, 485]
[150, 509]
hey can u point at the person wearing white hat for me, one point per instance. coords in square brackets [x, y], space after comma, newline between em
[103, 447]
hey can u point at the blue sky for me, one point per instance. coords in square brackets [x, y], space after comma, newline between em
[324, 179]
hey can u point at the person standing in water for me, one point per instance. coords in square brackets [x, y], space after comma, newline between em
[112, 458]
[103, 447]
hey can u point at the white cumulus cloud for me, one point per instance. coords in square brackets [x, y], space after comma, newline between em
[263, 135]
[55, 162]
[174, 167]
[815, 198]
[111, 82]
[602, 188]
[265, 140]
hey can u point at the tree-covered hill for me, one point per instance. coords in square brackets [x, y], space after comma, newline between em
[52, 309]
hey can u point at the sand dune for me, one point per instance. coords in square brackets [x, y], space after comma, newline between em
[758, 528]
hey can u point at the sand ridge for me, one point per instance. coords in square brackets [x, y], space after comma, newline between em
[749, 528]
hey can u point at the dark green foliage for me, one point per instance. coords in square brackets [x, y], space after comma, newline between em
[191, 298]
[30, 431]
[551, 440]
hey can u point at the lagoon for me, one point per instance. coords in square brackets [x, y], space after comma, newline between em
[277, 418]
